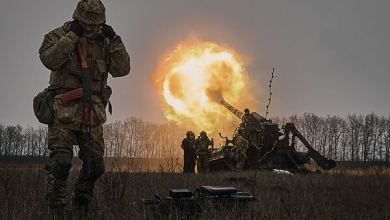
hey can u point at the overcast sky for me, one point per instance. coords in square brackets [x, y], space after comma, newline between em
[330, 57]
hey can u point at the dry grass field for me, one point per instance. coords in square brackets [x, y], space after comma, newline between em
[339, 194]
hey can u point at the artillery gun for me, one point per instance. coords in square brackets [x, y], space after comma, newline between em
[269, 146]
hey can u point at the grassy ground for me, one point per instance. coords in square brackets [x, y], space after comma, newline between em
[348, 194]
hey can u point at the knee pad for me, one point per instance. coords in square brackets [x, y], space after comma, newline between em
[98, 168]
[60, 165]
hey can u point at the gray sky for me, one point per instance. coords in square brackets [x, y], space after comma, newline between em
[330, 57]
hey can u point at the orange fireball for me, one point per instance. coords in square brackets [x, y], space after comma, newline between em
[194, 77]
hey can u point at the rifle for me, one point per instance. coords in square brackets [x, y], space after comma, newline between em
[88, 107]
[86, 93]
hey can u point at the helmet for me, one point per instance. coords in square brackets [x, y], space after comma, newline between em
[90, 12]
[246, 110]
[203, 132]
[189, 133]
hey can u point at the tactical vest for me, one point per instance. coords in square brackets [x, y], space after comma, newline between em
[98, 63]
[241, 143]
[188, 146]
[203, 145]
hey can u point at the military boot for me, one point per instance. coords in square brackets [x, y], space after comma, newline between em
[60, 213]
[80, 207]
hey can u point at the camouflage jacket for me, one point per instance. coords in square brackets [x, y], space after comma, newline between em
[188, 146]
[202, 145]
[247, 119]
[58, 54]
[241, 145]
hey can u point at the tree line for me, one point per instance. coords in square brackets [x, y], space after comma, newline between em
[352, 138]
[132, 137]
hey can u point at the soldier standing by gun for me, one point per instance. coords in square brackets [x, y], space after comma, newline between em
[241, 145]
[202, 150]
[89, 45]
[189, 152]
[247, 119]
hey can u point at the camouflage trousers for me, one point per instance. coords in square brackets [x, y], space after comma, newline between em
[240, 164]
[240, 159]
[203, 164]
[189, 163]
[61, 154]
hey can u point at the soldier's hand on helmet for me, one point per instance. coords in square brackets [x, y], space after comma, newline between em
[108, 31]
[76, 28]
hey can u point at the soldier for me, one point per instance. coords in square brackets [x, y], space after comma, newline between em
[189, 152]
[202, 150]
[106, 53]
[246, 118]
[241, 145]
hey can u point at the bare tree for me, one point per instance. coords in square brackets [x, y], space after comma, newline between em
[355, 126]
[336, 127]
[387, 141]
[344, 141]
[381, 124]
[310, 128]
[367, 135]
[2, 147]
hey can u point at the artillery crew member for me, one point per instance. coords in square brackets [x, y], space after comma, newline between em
[241, 145]
[105, 53]
[247, 118]
[189, 152]
[202, 150]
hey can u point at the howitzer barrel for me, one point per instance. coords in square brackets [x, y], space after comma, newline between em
[235, 111]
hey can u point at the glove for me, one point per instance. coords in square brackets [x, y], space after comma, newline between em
[76, 28]
[108, 31]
